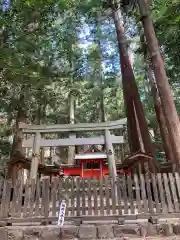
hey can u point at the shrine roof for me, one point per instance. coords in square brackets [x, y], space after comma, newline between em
[90, 156]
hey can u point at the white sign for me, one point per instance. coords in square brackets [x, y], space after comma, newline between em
[62, 213]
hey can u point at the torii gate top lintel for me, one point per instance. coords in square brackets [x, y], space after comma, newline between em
[27, 128]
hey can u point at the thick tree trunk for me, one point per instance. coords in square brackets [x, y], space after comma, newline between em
[138, 133]
[169, 109]
[160, 117]
[17, 149]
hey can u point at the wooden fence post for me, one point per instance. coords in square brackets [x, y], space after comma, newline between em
[110, 155]
[35, 156]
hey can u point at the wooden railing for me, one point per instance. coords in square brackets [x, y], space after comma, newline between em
[130, 196]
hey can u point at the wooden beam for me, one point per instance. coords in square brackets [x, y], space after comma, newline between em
[72, 127]
[72, 141]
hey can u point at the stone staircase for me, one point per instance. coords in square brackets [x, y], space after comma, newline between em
[93, 231]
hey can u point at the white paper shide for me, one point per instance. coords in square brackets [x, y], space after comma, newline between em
[62, 213]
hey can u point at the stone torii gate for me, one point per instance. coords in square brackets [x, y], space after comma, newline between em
[37, 141]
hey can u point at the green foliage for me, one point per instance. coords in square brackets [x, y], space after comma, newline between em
[39, 40]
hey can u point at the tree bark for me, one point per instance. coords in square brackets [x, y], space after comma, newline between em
[39, 117]
[165, 93]
[134, 110]
[108, 147]
[71, 150]
[101, 73]
[17, 149]
[39, 114]
[160, 117]
[102, 107]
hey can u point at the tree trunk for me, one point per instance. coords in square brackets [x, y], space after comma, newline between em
[39, 114]
[138, 133]
[102, 104]
[108, 147]
[71, 150]
[101, 73]
[39, 117]
[160, 117]
[71, 108]
[102, 107]
[168, 105]
[17, 149]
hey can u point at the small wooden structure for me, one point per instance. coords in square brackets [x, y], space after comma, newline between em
[91, 163]
[87, 166]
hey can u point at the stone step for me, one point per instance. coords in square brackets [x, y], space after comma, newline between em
[90, 232]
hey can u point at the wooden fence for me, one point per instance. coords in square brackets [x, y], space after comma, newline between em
[131, 195]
